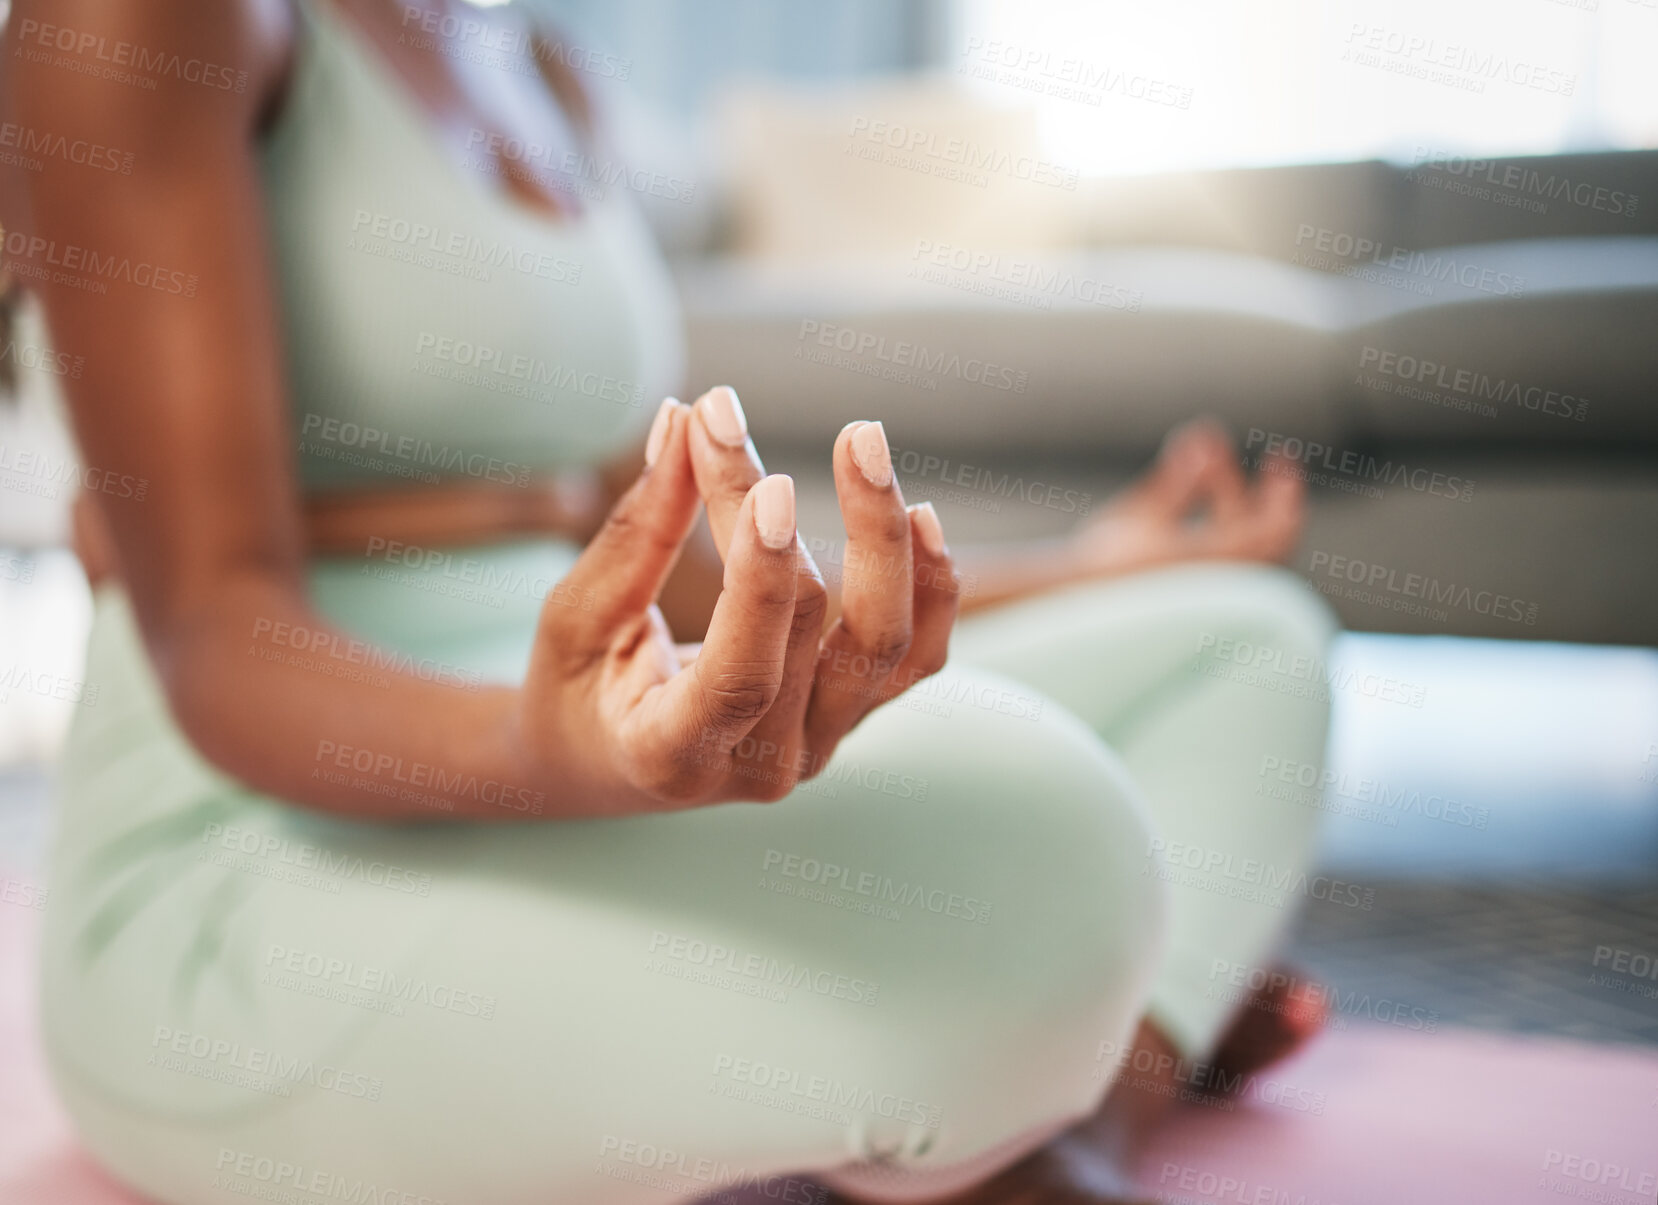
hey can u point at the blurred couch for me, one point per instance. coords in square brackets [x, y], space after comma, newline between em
[1461, 354]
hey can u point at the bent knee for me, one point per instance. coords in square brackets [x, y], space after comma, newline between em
[1010, 787]
[1003, 1018]
[1272, 605]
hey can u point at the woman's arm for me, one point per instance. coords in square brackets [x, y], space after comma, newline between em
[162, 280]
[162, 277]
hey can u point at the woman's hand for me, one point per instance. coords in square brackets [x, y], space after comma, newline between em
[614, 712]
[1196, 504]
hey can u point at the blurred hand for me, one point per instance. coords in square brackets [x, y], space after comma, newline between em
[1196, 504]
[614, 712]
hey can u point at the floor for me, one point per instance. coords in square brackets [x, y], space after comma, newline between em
[1516, 958]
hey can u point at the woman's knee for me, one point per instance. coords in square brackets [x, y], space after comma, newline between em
[1011, 789]
[1269, 608]
[1000, 1018]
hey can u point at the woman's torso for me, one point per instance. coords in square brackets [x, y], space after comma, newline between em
[437, 326]
[578, 316]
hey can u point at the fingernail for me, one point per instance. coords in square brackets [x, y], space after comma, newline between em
[871, 454]
[774, 510]
[723, 415]
[659, 430]
[929, 528]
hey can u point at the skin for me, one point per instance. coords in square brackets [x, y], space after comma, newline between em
[614, 716]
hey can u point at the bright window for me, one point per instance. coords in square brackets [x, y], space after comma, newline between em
[1127, 88]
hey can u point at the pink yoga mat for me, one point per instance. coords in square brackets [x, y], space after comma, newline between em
[1370, 1116]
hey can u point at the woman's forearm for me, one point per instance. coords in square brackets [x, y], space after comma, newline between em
[995, 574]
[278, 699]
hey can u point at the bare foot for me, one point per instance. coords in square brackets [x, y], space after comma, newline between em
[1277, 1019]
[1195, 503]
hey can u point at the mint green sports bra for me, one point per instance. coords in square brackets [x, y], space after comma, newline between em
[436, 329]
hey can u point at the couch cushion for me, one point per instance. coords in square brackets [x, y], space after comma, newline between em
[958, 349]
[1570, 357]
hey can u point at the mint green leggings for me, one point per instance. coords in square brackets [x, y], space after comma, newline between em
[897, 980]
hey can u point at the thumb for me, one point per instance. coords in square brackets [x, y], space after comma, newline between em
[623, 567]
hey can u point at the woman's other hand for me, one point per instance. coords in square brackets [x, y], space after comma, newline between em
[615, 712]
[1196, 503]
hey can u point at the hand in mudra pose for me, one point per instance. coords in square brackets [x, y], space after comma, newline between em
[1196, 503]
[633, 722]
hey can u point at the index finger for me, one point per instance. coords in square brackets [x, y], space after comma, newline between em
[738, 674]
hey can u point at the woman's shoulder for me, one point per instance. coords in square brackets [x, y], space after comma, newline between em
[220, 57]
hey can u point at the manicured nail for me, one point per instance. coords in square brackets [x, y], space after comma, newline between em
[659, 429]
[871, 454]
[723, 415]
[929, 528]
[774, 510]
